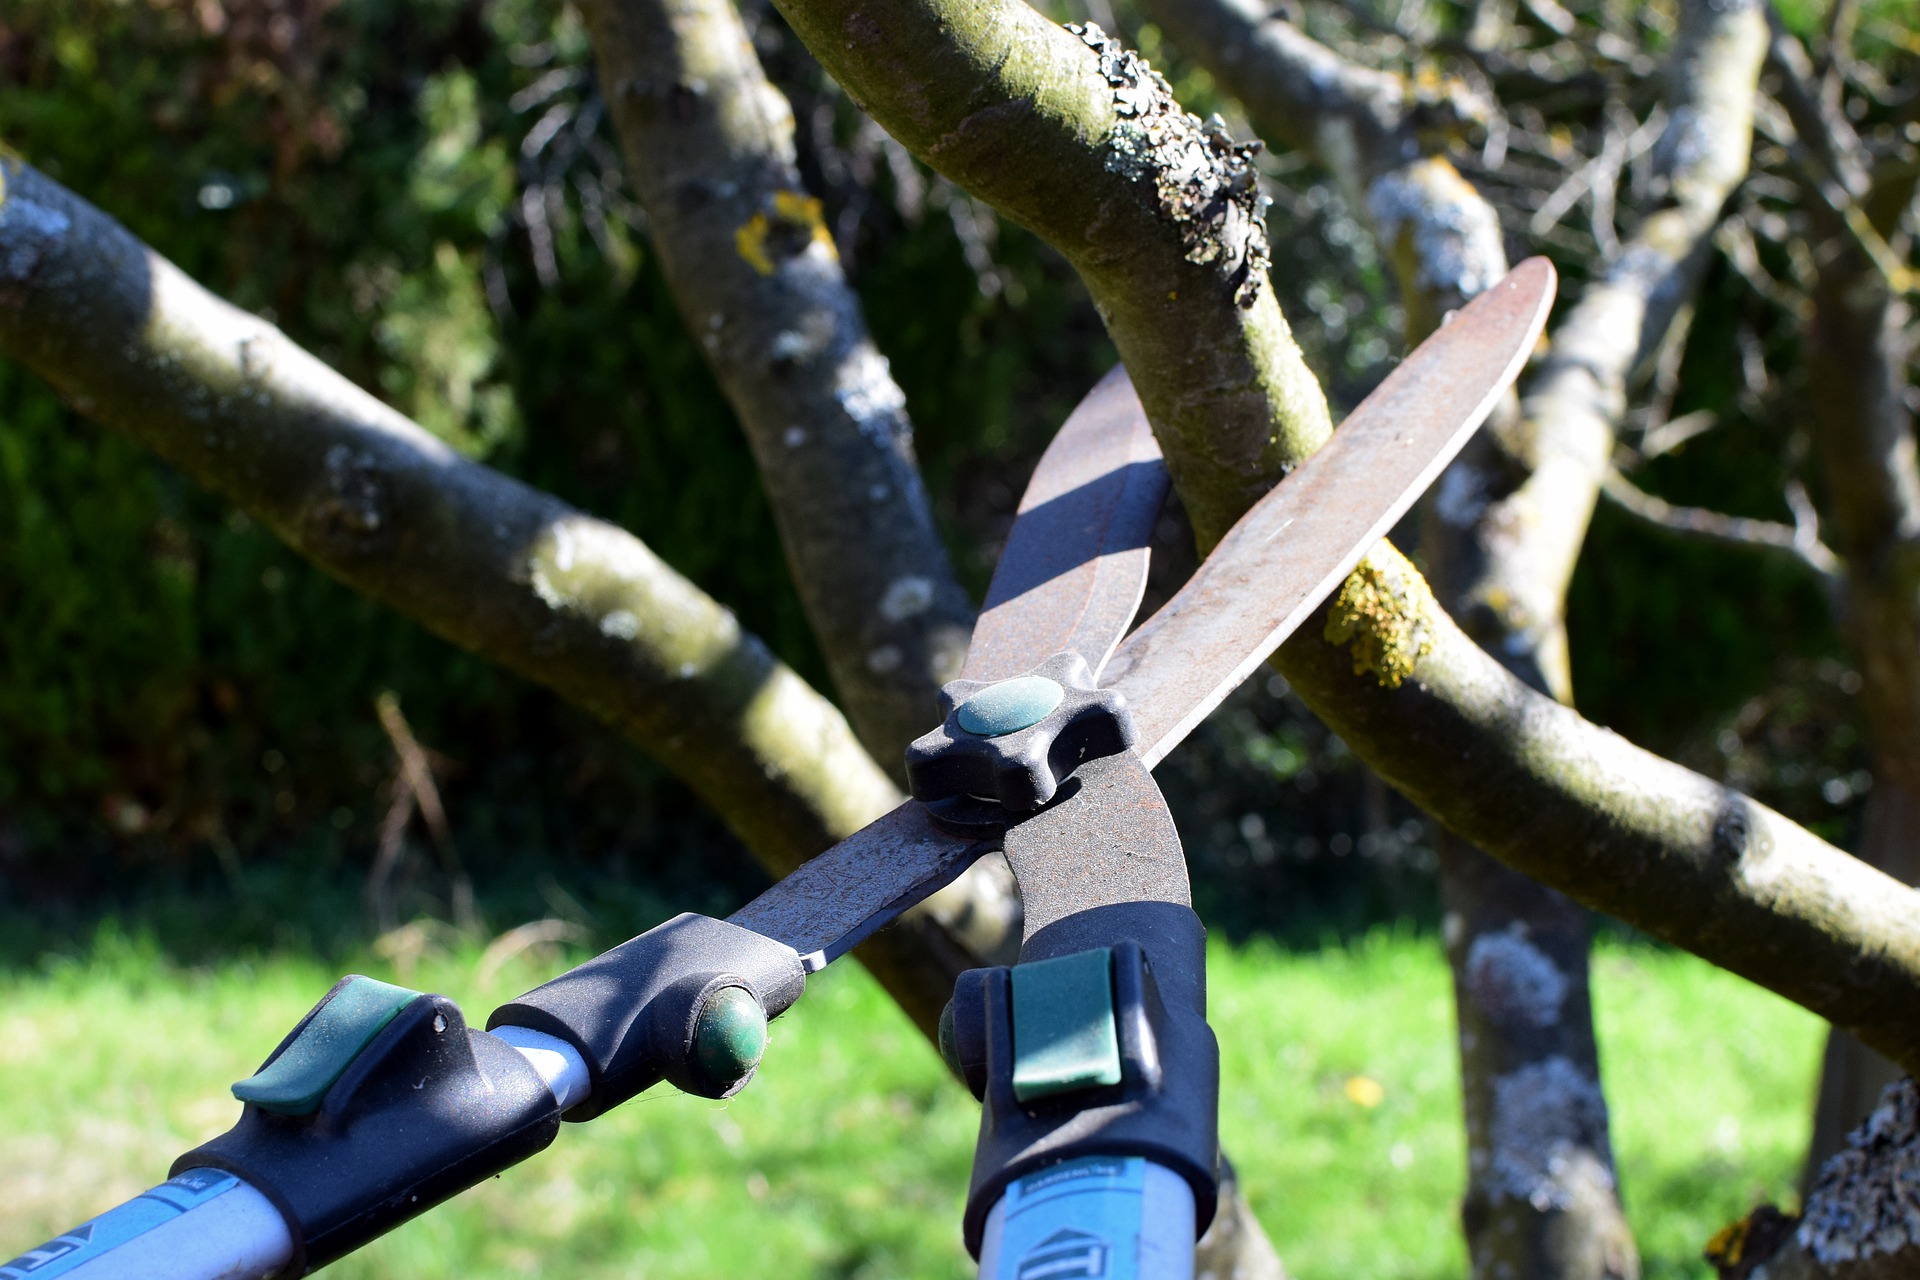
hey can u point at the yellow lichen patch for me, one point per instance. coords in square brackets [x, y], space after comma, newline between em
[1728, 1243]
[787, 229]
[1749, 1246]
[1439, 175]
[1384, 609]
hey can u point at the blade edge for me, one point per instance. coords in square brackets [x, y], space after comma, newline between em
[1189, 627]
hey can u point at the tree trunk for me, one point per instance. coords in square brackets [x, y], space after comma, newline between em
[1857, 353]
[1861, 1221]
[1541, 1193]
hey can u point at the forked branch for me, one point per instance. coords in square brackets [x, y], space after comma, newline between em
[1014, 109]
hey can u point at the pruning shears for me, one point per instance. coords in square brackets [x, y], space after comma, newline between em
[1097, 1072]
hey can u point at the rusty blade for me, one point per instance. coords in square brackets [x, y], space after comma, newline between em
[1265, 576]
[830, 904]
[1296, 545]
[1076, 562]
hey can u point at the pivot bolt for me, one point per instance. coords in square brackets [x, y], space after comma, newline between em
[730, 1036]
[1010, 706]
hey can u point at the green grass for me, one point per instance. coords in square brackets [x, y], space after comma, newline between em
[849, 1157]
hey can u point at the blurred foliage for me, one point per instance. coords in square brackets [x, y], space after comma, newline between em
[429, 198]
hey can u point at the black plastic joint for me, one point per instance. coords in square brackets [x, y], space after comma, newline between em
[970, 782]
[427, 1108]
[632, 1012]
[1165, 1107]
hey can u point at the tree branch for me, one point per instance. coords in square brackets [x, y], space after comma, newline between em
[1613, 826]
[1835, 160]
[1558, 454]
[1857, 1223]
[1800, 540]
[709, 150]
[484, 561]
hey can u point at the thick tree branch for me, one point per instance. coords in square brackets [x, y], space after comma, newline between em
[1076, 139]
[709, 149]
[1581, 809]
[486, 562]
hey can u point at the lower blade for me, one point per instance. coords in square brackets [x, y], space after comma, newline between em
[1300, 541]
[832, 903]
[1107, 847]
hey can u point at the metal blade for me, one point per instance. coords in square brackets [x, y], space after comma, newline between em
[1253, 590]
[832, 903]
[1076, 562]
[1109, 842]
[1300, 541]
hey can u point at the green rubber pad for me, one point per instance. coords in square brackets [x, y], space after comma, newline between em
[730, 1035]
[1063, 1028]
[293, 1083]
[1010, 706]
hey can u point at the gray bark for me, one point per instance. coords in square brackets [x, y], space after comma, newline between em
[1858, 350]
[1862, 1215]
[710, 153]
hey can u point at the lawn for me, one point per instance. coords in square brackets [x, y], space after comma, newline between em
[849, 1156]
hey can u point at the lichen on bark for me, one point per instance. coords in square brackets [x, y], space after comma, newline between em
[1203, 179]
[1866, 1203]
[1384, 611]
[1543, 1113]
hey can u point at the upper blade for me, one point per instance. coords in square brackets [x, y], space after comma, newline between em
[1075, 563]
[1297, 543]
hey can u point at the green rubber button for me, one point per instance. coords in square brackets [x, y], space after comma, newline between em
[293, 1083]
[1010, 706]
[1063, 1027]
[730, 1035]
